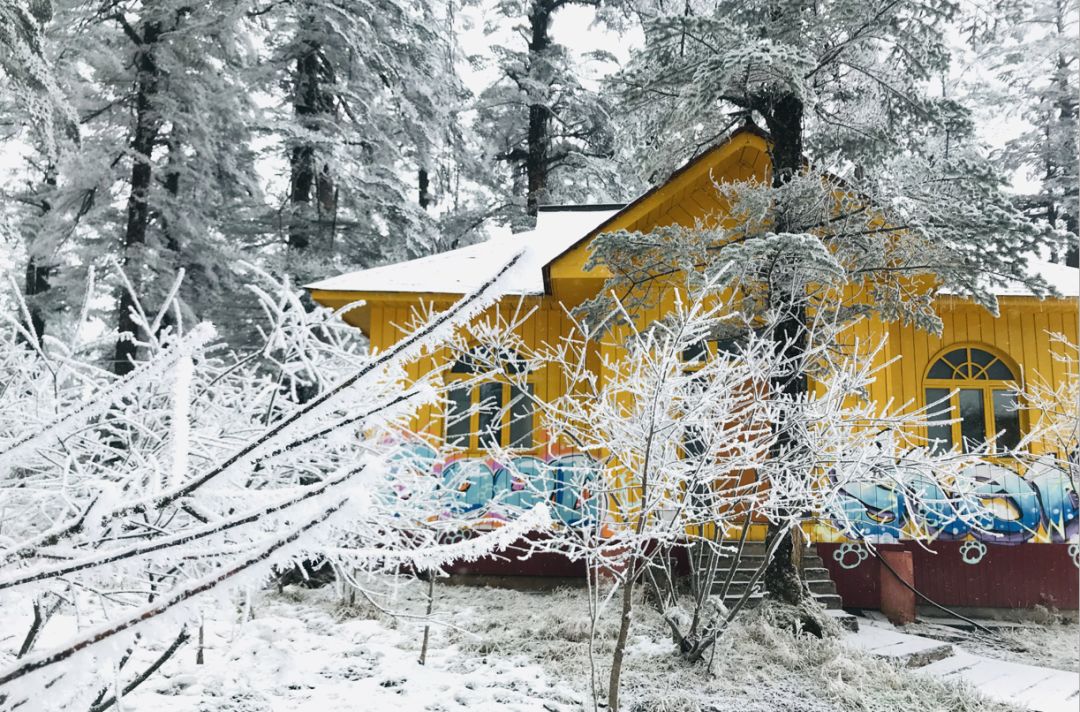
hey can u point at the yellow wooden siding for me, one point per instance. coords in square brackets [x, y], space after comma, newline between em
[1021, 334]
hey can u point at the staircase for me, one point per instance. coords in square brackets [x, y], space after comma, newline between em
[814, 573]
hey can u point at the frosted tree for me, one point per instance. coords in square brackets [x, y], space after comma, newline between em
[211, 476]
[898, 201]
[680, 423]
[165, 123]
[549, 134]
[42, 116]
[25, 68]
[1030, 49]
[1058, 423]
[369, 93]
[188, 111]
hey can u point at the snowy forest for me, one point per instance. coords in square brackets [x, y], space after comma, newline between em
[213, 495]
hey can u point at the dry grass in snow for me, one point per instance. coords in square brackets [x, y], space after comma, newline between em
[305, 651]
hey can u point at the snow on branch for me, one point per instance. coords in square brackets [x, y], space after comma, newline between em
[139, 502]
[94, 406]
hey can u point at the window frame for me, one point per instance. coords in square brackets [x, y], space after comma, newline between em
[472, 383]
[986, 386]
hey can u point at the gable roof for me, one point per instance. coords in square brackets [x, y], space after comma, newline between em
[562, 229]
[559, 229]
[732, 145]
[463, 270]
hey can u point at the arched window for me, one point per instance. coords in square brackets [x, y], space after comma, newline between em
[489, 413]
[978, 388]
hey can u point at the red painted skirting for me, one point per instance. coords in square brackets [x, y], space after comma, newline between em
[1019, 576]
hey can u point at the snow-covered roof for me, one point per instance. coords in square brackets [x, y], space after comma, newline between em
[1066, 280]
[558, 228]
[463, 270]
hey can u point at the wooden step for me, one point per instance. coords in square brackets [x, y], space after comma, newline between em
[830, 601]
[817, 587]
[745, 574]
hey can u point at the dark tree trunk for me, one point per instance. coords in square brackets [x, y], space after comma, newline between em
[424, 183]
[147, 125]
[313, 105]
[782, 578]
[37, 283]
[625, 613]
[539, 138]
[302, 176]
[172, 238]
[38, 270]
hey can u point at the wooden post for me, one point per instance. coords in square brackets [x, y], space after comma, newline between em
[897, 600]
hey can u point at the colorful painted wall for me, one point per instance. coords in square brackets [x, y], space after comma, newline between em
[1041, 507]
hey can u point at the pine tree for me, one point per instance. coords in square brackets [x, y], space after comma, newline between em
[553, 135]
[368, 92]
[46, 120]
[1037, 61]
[164, 164]
[25, 67]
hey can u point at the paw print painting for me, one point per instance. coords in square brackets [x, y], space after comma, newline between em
[850, 555]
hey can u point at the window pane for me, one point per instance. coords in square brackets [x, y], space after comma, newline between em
[457, 417]
[727, 347]
[972, 418]
[464, 364]
[958, 359]
[521, 417]
[940, 370]
[511, 362]
[1006, 420]
[982, 358]
[693, 443]
[490, 407]
[939, 434]
[1000, 372]
[695, 352]
[695, 386]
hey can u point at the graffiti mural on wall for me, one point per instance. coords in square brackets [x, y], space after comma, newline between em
[1006, 508]
[483, 488]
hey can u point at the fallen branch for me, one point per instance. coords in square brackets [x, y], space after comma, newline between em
[166, 602]
[185, 537]
[142, 677]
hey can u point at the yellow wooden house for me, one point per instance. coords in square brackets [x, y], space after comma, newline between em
[977, 355]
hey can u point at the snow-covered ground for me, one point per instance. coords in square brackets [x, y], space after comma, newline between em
[303, 651]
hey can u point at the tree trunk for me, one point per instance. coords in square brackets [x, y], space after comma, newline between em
[38, 270]
[620, 643]
[782, 578]
[784, 120]
[147, 124]
[172, 239]
[311, 189]
[424, 183]
[37, 284]
[539, 139]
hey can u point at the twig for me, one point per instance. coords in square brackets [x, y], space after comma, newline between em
[153, 667]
